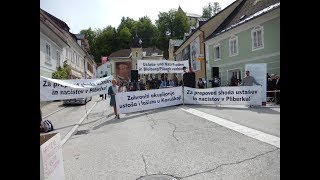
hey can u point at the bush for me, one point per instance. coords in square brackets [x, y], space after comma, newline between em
[62, 72]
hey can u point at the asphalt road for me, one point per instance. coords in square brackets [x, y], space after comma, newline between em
[167, 141]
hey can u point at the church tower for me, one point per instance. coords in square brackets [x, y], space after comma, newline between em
[136, 51]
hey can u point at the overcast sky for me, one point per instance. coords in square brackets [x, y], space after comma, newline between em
[82, 14]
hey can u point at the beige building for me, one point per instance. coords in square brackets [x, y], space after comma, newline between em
[193, 48]
[125, 60]
[59, 46]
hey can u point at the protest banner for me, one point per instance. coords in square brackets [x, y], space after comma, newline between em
[161, 66]
[56, 89]
[51, 159]
[233, 95]
[259, 72]
[134, 101]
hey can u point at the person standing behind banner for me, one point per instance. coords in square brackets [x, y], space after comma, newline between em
[248, 81]
[122, 88]
[112, 91]
[200, 84]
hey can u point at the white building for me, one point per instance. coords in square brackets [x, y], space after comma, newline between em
[104, 70]
[52, 43]
[59, 46]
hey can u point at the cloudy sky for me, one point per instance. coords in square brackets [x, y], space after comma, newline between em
[98, 14]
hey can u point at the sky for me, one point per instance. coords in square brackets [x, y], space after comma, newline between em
[98, 14]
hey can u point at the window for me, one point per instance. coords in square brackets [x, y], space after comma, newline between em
[58, 59]
[257, 38]
[233, 46]
[48, 53]
[101, 72]
[216, 52]
[73, 57]
[77, 60]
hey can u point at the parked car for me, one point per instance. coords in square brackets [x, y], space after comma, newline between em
[77, 100]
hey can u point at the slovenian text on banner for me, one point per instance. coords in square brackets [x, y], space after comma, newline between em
[233, 95]
[56, 89]
[161, 66]
[134, 101]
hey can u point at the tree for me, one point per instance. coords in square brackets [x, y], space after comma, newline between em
[91, 37]
[216, 8]
[107, 41]
[146, 31]
[171, 25]
[128, 23]
[125, 38]
[62, 72]
[209, 10]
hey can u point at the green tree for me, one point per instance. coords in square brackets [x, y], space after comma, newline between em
[209, 10]
[128, 23]
[90, 35]
[106, 42]
[171, 25]
[62, 72]
[146, 31]
[216, 8]
[125, 38]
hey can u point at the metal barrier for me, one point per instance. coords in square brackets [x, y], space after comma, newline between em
[274, 98]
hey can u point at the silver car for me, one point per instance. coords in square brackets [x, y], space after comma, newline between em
[77, 100]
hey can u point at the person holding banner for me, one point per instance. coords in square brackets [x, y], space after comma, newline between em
[112, 91]
[248, 81]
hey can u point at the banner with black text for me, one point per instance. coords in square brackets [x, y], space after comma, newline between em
[235, 95]
[134, 101]
[161, 66]
[57, 89]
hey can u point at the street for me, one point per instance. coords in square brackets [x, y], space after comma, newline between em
[179, 142]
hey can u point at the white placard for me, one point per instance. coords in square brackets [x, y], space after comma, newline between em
[259, 72]
[134, 101]
[235, 95]
[161, 66]
[56, 89]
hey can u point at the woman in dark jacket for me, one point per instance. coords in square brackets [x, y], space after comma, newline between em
[112, 91]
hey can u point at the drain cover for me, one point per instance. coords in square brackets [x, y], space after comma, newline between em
[82, 132]
[157, 177]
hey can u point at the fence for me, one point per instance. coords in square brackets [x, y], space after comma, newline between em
[274, 97]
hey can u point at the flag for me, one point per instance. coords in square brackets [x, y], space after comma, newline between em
[104, 59]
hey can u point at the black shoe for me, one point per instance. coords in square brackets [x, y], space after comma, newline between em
[118, 116]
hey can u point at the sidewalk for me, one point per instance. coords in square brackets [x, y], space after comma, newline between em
[66, 118]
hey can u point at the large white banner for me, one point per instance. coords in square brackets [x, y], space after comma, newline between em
[134, 101]
[259, 72]
[56, 89]
[161, 66]
[240, 95]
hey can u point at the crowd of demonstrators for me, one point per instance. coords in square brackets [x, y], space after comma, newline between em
[273, 84]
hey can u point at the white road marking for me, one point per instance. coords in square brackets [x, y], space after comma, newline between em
[261, 136]
[76, 126]
[53, 112]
